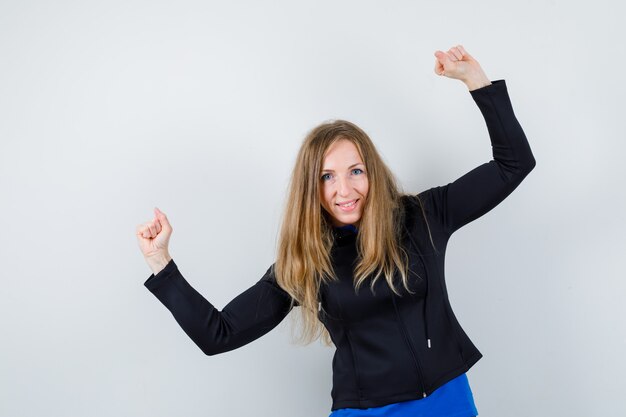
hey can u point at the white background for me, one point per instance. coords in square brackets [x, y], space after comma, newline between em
[108, 109]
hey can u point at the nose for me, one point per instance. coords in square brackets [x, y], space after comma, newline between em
[343, 186]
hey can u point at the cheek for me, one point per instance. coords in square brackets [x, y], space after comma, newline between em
[325, 196]
[364, 188]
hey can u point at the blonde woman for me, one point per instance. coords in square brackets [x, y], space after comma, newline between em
[364, 264]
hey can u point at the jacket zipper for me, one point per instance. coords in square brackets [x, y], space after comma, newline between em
[410, 345]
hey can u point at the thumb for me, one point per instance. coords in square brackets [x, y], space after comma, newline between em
[442, 57]
[442, 60]
[162, 218]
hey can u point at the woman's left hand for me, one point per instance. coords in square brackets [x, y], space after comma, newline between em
[458, 64]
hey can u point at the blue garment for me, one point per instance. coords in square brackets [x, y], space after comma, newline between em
[452, 399]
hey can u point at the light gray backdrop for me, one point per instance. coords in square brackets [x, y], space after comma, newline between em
[108, 109]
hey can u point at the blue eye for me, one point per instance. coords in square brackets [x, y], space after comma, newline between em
[324, 177]
[358, 169]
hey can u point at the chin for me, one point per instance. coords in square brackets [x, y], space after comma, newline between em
[346, 221]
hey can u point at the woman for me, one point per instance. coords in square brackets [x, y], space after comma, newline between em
[400, 350]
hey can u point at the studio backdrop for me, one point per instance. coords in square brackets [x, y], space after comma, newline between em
[108, 109]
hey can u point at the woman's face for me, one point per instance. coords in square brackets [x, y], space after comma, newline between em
[344, 183]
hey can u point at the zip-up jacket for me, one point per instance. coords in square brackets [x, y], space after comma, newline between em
[389, 348]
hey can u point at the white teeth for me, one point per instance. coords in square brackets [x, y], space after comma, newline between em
[348, 204]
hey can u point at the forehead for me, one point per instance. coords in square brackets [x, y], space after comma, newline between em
[342, 153]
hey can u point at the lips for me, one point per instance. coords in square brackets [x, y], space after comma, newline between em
[348, 206]
[347, 203]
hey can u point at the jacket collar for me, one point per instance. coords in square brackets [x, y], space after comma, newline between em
[345, 234]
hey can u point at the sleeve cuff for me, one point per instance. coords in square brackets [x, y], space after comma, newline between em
[155, 281]
[495, 85]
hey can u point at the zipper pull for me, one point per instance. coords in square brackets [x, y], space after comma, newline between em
[428, 343]
[424, 395]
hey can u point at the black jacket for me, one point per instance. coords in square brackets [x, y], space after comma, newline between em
[388, 348]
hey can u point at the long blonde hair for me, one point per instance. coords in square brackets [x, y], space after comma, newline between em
[303, 255]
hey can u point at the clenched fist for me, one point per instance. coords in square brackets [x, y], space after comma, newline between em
[458, 64]
[153, 238]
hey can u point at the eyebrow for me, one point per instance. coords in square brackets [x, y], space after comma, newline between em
[351, 166]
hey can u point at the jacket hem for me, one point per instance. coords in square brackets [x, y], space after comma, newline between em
[455, 372]
[407, 396]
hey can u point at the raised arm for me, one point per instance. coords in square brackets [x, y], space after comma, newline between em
[484, 187]
[247, 317]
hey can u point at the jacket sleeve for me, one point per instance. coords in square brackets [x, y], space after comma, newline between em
[485, 186]
[247, 317]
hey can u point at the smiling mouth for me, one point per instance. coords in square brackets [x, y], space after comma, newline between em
[348, 203]
[348, 206]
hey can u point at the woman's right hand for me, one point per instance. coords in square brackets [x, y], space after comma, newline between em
[153, 238]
